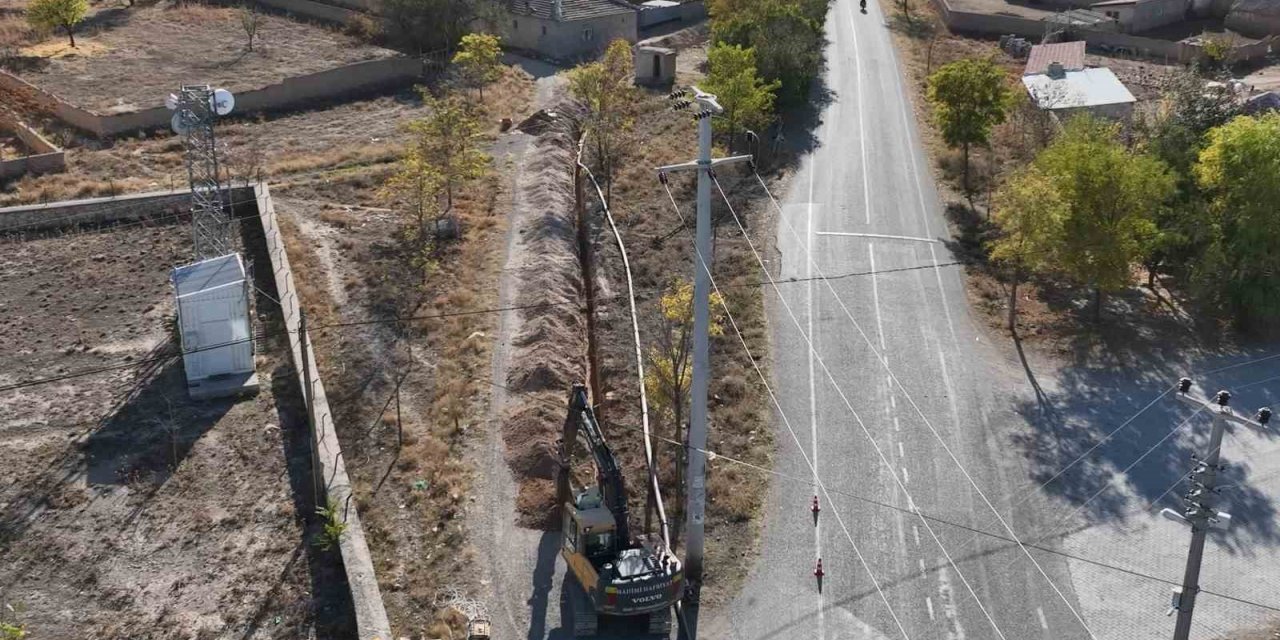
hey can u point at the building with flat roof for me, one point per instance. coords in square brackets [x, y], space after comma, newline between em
[567, 29]
[1097, 91]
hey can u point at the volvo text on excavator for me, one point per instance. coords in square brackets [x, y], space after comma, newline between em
[611, 574]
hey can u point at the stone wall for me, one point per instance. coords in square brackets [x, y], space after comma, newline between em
[369, 75]
[42, 156]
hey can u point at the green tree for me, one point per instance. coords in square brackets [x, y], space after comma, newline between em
[747, 99]
[1029, 211]
[669, 374]
[432, 26]
[1176, 133]
[786, 36]
[58, 14]
[969, 97]
[1240, 173]
[448, 139]
[477, 60]
[1112, 196]
[606, 89]
[251, 22]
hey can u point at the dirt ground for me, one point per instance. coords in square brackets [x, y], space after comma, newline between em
[340, 142]
[661, 250]
[127, 510]
[353, 264]
[130, 58]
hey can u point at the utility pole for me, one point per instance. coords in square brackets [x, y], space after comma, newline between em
[696, 472]
[1199, 513]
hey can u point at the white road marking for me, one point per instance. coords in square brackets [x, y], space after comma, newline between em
[928, 602]
[813, 393]
[901, 454]
[905, 478]
[1044, 624]
[923, 572]
[875, 299]
[875, 235]
[949, 609]
[916, 531]
[896, 426]
[893, 401]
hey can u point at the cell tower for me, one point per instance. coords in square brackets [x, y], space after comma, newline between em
[197, 105]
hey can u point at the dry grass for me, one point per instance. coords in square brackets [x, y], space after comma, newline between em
[141, 54]
[411, 492]
[740, 416]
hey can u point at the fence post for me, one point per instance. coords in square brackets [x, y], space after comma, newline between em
[308, 393]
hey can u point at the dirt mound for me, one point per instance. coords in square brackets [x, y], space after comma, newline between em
[549, 352]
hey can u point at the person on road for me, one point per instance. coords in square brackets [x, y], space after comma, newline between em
[863, 4]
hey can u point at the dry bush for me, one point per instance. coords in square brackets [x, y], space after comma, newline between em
[362, 27]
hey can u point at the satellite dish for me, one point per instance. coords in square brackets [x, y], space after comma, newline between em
[179, 127]
[223, 102]
[171, 102]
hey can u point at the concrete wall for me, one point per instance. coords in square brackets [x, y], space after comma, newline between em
[565, 40]
[42, 156]
[371, 616]
[330, 470]
[686, 12]
[38, 218]
[354, 78]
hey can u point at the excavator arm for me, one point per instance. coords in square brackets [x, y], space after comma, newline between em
[582, 421]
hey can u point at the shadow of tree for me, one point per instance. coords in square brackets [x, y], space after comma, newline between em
[1110, 477]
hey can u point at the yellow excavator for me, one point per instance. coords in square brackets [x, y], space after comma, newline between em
[611, 574]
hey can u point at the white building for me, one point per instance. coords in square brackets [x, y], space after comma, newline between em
[213, 320]
[1096, 90]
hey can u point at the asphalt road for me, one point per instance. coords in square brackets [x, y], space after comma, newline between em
[888, 392]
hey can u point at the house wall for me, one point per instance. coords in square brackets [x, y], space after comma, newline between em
[684, 12]
[1254, 24]
[1124, 14]
[564, 40]
[1152, 14]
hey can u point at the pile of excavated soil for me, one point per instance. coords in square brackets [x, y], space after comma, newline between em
[550, 352]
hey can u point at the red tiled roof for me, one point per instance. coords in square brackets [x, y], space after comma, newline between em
[1069, 54]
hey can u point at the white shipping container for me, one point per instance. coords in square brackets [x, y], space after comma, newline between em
[213, 318]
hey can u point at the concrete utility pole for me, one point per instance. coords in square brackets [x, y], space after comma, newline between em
[1199, 513]
[696, 478]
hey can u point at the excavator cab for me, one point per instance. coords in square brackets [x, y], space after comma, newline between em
[611, 574]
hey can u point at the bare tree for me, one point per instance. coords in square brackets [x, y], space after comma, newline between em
[251, 22]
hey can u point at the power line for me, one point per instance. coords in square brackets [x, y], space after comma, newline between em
[880, 357]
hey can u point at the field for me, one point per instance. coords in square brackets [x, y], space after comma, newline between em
[127, 510]
[130, 58]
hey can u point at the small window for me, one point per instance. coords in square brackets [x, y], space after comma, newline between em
[544, 29]
[586, 35]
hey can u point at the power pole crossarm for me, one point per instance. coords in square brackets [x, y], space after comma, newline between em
[697, 498]
[1199, 513]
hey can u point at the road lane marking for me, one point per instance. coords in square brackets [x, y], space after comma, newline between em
[900, 452]
[848, 234]
[875, 299]
[1043, 623]
[905, 478]
[896, 426]
[916, 530]
[923, 572]
[928, 602]
[949, 609]
[813, 394]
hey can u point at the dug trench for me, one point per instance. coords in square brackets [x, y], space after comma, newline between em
[564, 274]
